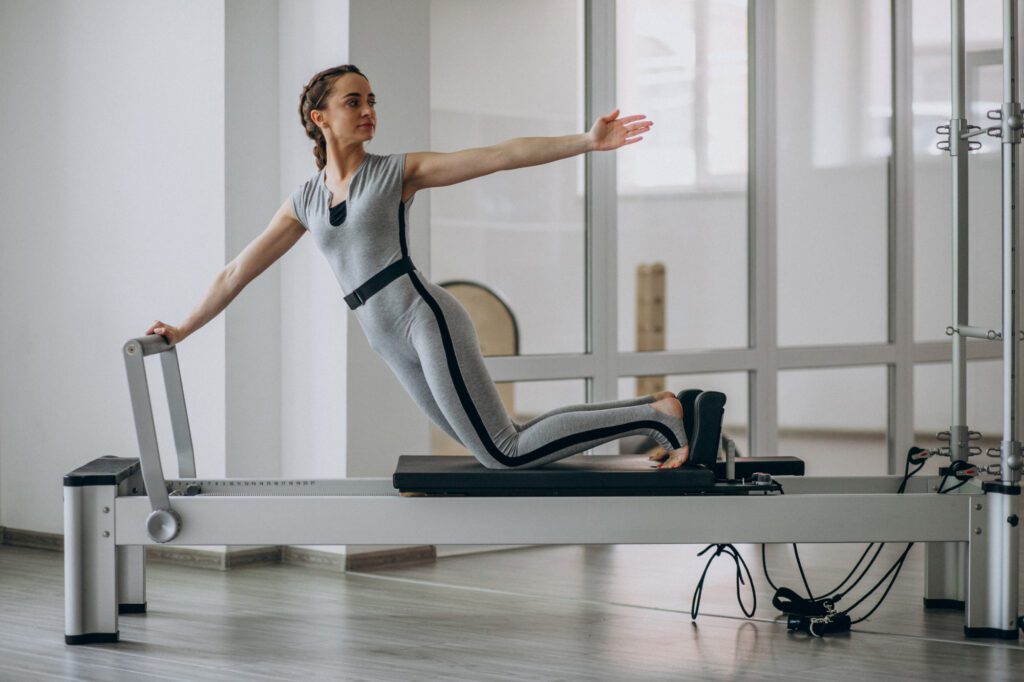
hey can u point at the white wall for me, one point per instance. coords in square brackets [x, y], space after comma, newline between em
[252, 354]
[113, 176]
[145, 146]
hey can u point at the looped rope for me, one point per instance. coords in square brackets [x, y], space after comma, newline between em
[730, 551]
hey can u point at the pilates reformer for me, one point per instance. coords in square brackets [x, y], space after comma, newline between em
[115, 507]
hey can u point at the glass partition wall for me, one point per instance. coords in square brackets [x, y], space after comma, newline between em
[782, 233]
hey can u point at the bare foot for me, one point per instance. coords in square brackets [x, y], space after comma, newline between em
[676, 458]
[671, 406]
[661, 395]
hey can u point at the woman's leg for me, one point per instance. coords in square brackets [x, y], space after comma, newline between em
[584, 407]
[410, 375]
[445, 341]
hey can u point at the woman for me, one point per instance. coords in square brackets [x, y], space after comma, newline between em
[356, 207]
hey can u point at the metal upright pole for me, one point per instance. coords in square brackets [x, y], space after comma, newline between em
[993, 565]
[945, 563]
[1010, 450]
[958, 146]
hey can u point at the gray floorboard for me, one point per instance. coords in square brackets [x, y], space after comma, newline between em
[547, 613]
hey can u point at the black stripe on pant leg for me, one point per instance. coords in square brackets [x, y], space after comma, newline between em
[474, 416]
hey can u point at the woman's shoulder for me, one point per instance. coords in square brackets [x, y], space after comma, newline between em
[308, 190]
[385, 165]
[386, 160]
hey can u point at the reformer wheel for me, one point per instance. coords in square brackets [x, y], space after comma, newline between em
[163, 525]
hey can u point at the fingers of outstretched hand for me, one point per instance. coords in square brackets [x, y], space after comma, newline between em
[631, 119]
[633, 132]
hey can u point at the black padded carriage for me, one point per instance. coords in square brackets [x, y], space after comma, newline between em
[577, 475]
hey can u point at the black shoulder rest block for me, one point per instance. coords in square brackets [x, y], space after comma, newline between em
[108, 470]
[776, 466]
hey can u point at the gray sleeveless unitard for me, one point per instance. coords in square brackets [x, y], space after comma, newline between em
[426, 337]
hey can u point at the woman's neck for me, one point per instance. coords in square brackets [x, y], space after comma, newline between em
[343, 163]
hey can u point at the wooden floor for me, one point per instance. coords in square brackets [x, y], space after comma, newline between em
[548, 613]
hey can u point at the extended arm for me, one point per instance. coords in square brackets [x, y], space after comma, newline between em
[281, 234]
[433, 169]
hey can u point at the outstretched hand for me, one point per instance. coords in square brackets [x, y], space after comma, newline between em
[610, 132]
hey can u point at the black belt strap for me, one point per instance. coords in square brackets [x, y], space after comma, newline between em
[383, 278]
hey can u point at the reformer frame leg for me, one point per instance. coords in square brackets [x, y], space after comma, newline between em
[131, 579]
[945, 563]
[90, 565]
[993, 568]
[945, 575]
[100, 578]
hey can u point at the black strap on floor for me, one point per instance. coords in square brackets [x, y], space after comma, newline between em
[818, 616]
[383, 278]
[789, 602]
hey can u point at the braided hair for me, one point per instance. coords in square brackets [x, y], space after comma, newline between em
[313, 95]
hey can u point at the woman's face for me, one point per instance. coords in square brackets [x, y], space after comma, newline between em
[347, 112]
